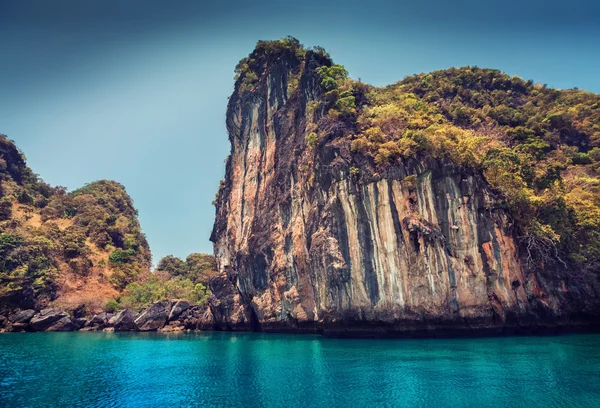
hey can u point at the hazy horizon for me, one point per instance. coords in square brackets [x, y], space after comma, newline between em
[137, 92]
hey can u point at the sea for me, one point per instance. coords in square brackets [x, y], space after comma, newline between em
[222, 369]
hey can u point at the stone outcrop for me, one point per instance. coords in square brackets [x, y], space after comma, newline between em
[206, 320]
[48, 318]
[123, 321]
[64, 324]
[303, 243]
[154, 317]
[178, 308]
[21, 316]
[165, 315]
[229, 311]
[98, 321]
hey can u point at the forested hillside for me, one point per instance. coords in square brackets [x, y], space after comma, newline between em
[83, 248]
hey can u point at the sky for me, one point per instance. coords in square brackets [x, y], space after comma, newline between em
[136, 91]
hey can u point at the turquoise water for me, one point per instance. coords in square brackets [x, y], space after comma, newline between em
[258, 370]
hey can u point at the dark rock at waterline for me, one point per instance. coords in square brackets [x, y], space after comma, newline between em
[165, 315]
[154, 317]
[178, 308]
[80, 322]
[123, 321]
[227, 306]
[98, 321]
[174, 326]
[46, 319]
[17, 327]
[192, 318]
[206, 320]
[64, 324]
[21, 316]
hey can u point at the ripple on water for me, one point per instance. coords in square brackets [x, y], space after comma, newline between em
[247, 370]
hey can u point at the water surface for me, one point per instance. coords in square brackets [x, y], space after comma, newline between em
[257, 370]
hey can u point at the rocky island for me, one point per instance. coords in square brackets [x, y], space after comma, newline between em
[463, 201]
[460, 201]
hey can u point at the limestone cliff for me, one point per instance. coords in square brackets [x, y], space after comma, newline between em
[311, 236]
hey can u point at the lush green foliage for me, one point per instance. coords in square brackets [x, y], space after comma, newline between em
[27, 263]
[340, 92]
[46, 230]
[198, 268]
[311, 139]
[159, 287]
[111, 306]
[174, 278]
[121, 256]
[538, 147]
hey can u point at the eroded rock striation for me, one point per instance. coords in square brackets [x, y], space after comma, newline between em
[305, 242]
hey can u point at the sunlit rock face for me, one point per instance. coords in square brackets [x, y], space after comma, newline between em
[304, 242]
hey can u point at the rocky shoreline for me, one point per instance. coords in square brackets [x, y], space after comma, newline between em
[164, 316]
[179, 316]
[225, 312]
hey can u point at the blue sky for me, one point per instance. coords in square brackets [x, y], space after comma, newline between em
[136, 91]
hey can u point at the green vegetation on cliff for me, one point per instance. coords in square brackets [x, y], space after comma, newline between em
[539, 148]
[249, 69]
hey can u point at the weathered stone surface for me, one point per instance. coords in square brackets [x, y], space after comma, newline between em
[99, 321]
[21, 316]
[303, 244]
[124, 321]
[155, 316]
[80, 322]
[206, 320]
[46, 319]
[179, 306]
[63, 324]
[197, 317]
[228, 309]
[3, 321]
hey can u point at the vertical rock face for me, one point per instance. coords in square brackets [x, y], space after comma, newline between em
[304, 244]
